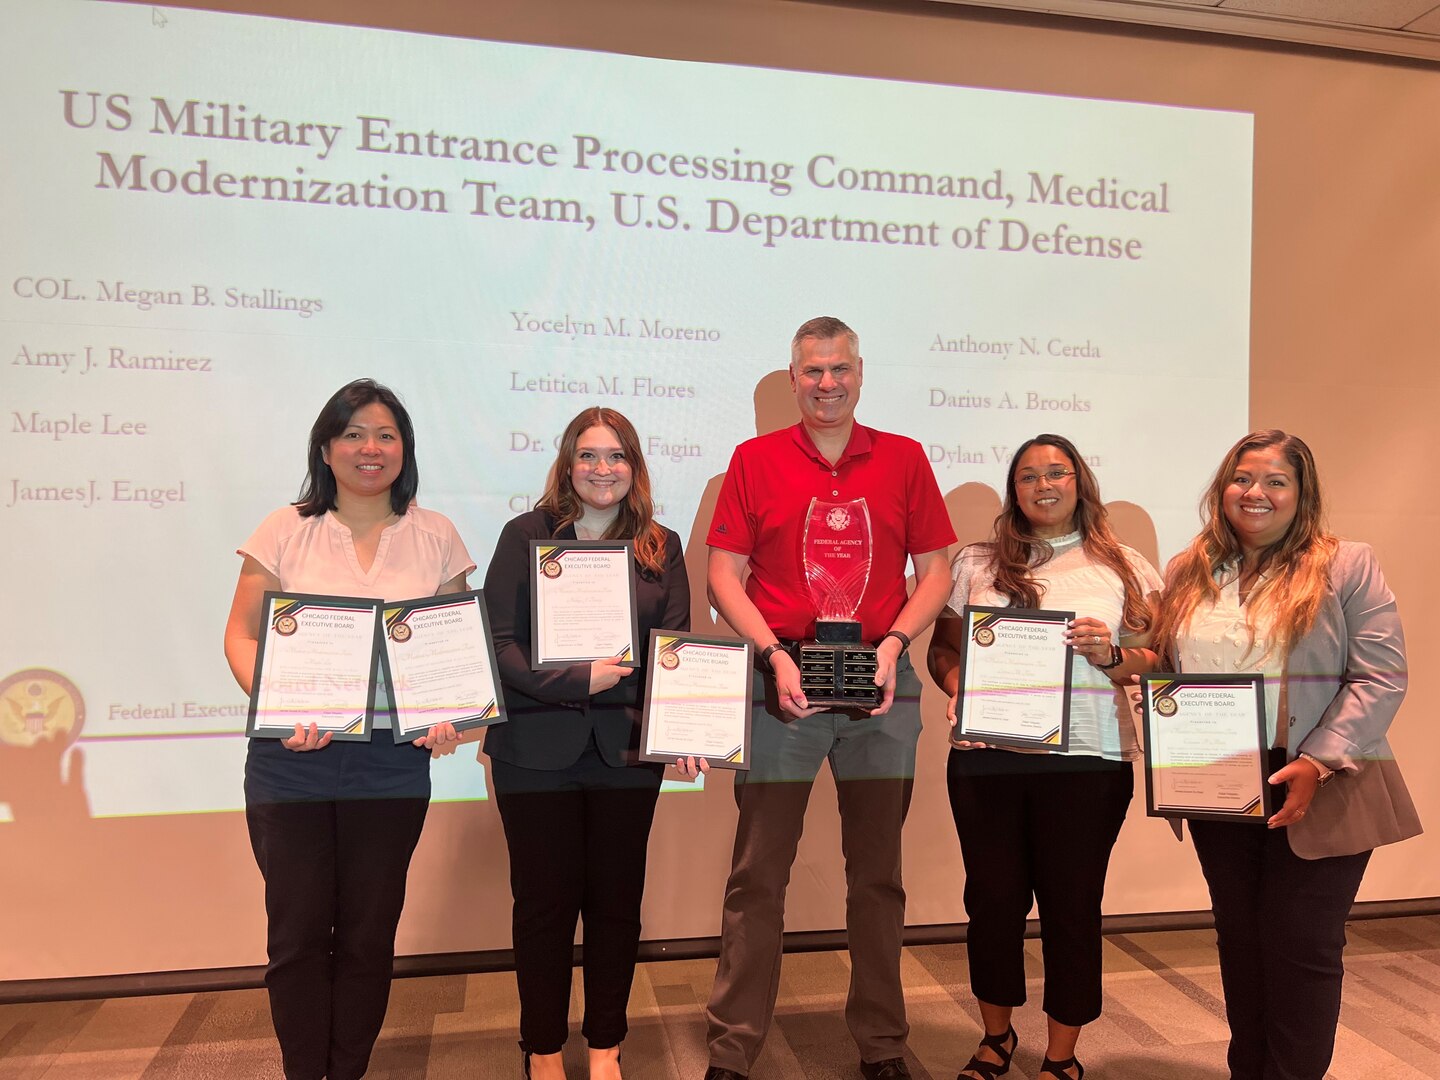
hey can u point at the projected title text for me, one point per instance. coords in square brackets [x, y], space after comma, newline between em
[514, 180]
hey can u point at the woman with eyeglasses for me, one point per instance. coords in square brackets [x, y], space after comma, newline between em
[575, 802]
[1036, 824]
[1265, 588]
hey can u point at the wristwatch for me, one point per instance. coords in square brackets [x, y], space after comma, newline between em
[898, 636]
[1326, 773]
[769, 651]
[1117, 657]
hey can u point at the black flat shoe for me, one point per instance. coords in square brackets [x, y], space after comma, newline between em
[989, 1069]
[889, 1069]
[1057, 1068]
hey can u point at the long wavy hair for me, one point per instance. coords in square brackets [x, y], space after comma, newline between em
[317, 494]
[1016, 552]
[1296, 566]
[636, 519]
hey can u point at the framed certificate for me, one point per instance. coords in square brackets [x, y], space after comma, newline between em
[697, 700]
[1015, 678]
[314, 665]
[1205, 747]
[582, 602]
[440, 665]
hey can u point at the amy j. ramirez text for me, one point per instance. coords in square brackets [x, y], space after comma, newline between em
[85, 494]
[113, 357]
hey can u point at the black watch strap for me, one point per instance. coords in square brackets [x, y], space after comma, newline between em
[769, 651]
[1117, 657]
[900, 637]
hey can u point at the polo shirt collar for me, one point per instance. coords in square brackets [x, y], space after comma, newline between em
[859, 444]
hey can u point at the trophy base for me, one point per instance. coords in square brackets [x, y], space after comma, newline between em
[838, 674]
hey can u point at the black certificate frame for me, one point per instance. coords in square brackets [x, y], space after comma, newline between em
[977, 618]
[1258, 812]
[275, 607]
[670, 643]
[553, 552]
[395, 616]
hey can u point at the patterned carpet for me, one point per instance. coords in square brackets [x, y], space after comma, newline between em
[1163, 1020]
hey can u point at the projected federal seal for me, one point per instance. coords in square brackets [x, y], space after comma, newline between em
[38, 703]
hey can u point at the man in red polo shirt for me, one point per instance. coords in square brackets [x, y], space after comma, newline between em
[760, 523]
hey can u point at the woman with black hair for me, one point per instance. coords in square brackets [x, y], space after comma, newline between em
[1040, 826]
[333, 825]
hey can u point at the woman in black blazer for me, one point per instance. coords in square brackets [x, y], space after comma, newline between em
[575, 802]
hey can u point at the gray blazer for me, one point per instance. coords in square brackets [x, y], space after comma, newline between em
[1346, 680]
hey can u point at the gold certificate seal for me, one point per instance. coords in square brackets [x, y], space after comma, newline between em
[984, 637]
[400, 633]
[286, 625]
[38, 703]
[550, 568]
[1166, 706]
[669, 661]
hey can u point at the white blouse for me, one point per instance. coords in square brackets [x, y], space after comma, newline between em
[417, 554]
[1219, 640]
[1100, 719]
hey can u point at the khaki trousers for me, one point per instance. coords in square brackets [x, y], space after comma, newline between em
[873, 762]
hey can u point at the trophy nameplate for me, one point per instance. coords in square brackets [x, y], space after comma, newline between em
[837, 667]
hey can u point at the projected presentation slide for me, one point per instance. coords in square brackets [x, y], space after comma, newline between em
[212, 222]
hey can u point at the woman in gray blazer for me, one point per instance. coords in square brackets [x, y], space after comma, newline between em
[1264, 588]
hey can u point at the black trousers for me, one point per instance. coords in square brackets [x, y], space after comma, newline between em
[1041, 826]
[1280, 923]
[334, 888]
[577, 838]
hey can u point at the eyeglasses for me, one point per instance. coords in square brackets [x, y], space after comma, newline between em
[1052, 476]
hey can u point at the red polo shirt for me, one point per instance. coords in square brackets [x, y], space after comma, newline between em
[764, 499]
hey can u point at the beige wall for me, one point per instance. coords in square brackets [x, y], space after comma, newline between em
[1345, 338]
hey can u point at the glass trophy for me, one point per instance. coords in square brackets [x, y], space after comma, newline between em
[837, 667]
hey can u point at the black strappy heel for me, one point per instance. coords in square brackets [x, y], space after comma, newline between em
[1057, 1068]
[989, 1069]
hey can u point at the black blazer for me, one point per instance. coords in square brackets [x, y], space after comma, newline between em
[551, 712]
